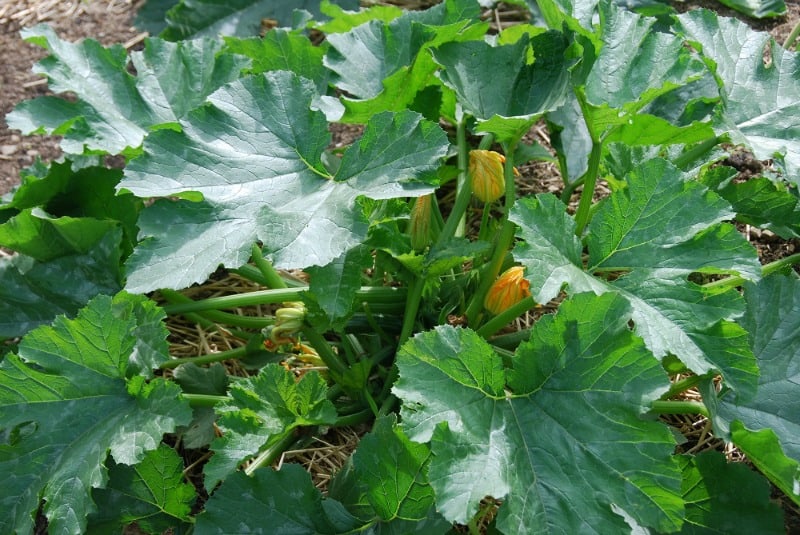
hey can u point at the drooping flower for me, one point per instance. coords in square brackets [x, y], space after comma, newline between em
[486, 174]
[509, 289]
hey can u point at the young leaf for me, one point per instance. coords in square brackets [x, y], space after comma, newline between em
[115, 109]
[646, 230]
[766, 428]
[283, 50]
[33, 293]
[152, 493]
[66, 403]
[191, 19]
[531, 435]
[263, 409]
[331, 294]
[394, 472]
[761, 102]
[254, 156]
[273, 501]
[723, 497]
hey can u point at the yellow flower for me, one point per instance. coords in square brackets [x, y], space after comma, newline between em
[486, 174]
[419, 225]
[509, 289]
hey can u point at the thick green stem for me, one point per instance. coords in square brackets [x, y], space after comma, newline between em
[178, 300]
[204, 400]
[236, 353]
[766, 270]
[271, 454]
[589, 181]
[506, 317]
[272, 278]
[792, 37]
[412, 307]
[679, 407]
[682, 386]
[370, 294]
[695, 152]
[323, 348]
[464, 190]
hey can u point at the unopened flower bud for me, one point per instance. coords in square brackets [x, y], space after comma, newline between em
[509, 289]
[486, 174]
[419, 225]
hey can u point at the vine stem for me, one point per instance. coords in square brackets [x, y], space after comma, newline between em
[371, 294]
[464, 191]
[506, 317]
[766, 270]
[682, 386]
[272, 278]
[236, 353]
[412, 306]
[323, 347]
[679, 407]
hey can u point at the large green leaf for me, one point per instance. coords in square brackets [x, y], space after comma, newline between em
[115, 109]
[152, 493]
[717, 502]
[627, 65]
[254, 157]
[67, 211]
[384, 66]
[33, 293]
[66, 403]
[273, 501]
[767, 427]
[191, 19]
[394, 473]
[652, 234]
[263, 409]
[520, 81]
[761, 103]
[560, 437]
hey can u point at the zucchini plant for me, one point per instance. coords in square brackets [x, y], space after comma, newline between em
[417, 251]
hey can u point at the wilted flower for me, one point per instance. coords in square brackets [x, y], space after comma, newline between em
[419, 226]
[509, 289]
[486, 174]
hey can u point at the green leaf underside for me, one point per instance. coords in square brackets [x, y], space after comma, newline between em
[282, 501]
[211, 18]
[723, 497]
[766, 428]
[262, 409]
[115, 109]
[33, 293]
[761, 104]
[254, 154]
[658, 230]
[582, 376]
[152, 493]
[66, 404]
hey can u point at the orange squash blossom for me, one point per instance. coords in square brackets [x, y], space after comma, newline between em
[486, 174]
[509, 289]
